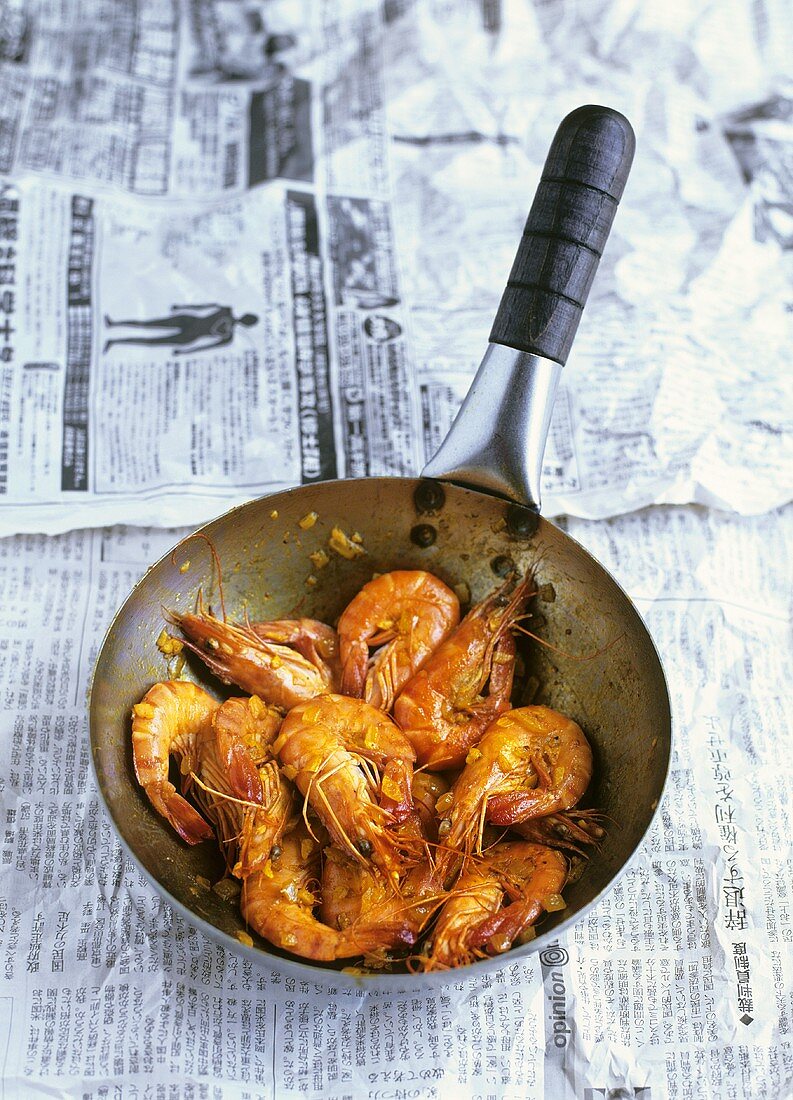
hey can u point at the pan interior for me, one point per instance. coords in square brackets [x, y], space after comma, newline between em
[619, 697]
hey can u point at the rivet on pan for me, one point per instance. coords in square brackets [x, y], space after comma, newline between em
[502, 566]
[521, 522]
[429, 496]
[423, 535]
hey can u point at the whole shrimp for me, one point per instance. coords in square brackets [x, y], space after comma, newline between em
[559, 768]
[312, 639]
[530, 762]
[474, 923]
[352, 892]
[244, 731]
[238, 655]
[442, 709]
[408, 613]
[242, 825]
[278, 902]
[334, 747]
[172, 719]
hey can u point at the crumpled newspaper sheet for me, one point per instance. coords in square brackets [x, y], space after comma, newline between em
[431, 121]
[677, 386]
[681, 974]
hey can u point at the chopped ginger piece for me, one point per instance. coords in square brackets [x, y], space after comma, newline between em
[345, 546]
[444, 803]
[227, 889]
[243, 937]
[319, 558]
[185, 567]
[168, 645]
[308, 520]
[391, 789]
[274, 514]
[311, 580]
[473, 756]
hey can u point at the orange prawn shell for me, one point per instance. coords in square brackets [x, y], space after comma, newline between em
[560, 758]
[244, 730]
[475, 922]
[172, 719]
[441, 709]
[325, 745]
[408, 612]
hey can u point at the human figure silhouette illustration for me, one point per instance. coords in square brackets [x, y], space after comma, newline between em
[187, 325]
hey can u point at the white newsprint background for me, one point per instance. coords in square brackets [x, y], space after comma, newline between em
[246, 244]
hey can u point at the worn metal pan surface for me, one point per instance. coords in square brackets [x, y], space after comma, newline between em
[473, 517]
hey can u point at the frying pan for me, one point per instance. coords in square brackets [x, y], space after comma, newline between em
[471, 518]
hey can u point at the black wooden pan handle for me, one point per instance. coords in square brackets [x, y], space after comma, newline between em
[582, 182]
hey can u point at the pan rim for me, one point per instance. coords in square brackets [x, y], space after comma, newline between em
[371, 981]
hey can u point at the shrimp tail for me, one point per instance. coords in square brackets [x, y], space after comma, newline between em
[187, 821]
[353, 671]
[505, 926]
[511, 807]
[243, 775]
[370, 937]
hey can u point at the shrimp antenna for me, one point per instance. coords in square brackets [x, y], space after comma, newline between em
[215, 560]
[311, 832]
[563, 652]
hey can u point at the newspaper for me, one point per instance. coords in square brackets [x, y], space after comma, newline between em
[248, 245]
[678, 984]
